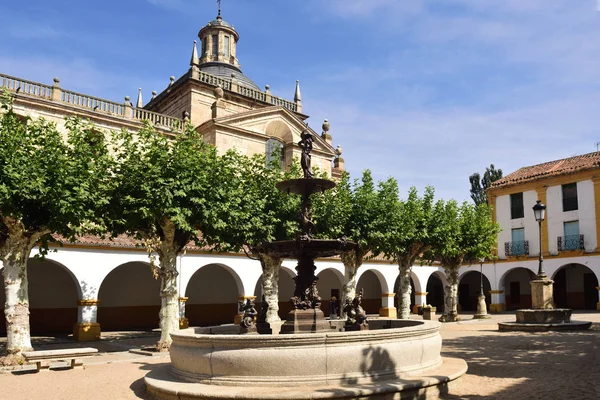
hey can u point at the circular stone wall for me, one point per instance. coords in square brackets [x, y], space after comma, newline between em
[306, 359]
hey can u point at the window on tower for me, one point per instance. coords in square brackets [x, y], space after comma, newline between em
[215, 45]
[226, 46]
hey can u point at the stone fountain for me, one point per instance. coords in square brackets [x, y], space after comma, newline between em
[313, 358]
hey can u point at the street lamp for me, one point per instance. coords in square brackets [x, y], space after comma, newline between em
[539, 210]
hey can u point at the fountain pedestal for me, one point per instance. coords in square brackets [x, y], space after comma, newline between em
[305, 321]
[542, 316]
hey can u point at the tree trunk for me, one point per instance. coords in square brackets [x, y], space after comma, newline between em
[404, 289]
[270, 285]
[14, 254]
[352, 261]
[169, 307]
[451, 295]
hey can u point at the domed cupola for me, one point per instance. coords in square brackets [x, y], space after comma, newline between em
[218, 57]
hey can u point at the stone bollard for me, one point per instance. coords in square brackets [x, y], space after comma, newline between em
[429, 313]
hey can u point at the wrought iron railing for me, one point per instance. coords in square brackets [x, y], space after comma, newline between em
[570, 242]
[518, 248]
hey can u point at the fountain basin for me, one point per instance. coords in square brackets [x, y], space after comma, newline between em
[306, 359]
[553, 319]
[405, 357]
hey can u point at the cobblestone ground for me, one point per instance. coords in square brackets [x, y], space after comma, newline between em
[502, 365]
[518, 365]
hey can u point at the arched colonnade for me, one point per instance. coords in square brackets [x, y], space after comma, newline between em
[116, 290]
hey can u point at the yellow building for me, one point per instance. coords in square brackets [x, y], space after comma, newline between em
[570, 189]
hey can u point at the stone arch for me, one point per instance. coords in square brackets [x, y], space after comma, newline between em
[435, 290]
[517, 290]
[287, 286]
[129, 298]
[279, 130]
[373, 283]
[329, 284]
[575, 287]
[213, 292]
[469, 286]
[53, 294]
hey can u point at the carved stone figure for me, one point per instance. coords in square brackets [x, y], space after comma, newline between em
[306, 146]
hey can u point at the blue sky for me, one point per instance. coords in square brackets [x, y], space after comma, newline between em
[426, 91]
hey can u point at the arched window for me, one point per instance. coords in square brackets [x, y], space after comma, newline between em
[274, 151]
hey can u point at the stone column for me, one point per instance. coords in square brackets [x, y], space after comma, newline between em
[541, 294]
[387, 306]
[87, 328]
[238, 317]
[183, 321]
[420, 301]
[498, 301]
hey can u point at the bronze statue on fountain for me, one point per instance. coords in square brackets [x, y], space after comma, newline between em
[306, 316]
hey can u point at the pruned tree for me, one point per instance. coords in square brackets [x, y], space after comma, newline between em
[407, 237]
[462, 234]
[165, 192]
[357, 211]
[50, 183]
[480, 185]
[256, 213]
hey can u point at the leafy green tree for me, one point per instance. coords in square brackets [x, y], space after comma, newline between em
[479, 185]
[49, 183]
[256, 213]
[357, 211]
[165, 195]
[462, 233]
[407, 237]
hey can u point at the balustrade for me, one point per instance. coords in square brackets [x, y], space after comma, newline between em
[517, 248]
[570, 242]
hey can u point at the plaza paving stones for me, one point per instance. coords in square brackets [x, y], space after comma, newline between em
[502, 365]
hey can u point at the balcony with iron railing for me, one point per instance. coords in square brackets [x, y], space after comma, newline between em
[570, 242]
[517, 248]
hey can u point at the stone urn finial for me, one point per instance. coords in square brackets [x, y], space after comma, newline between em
[325, 126]
[219, 92]
[339, 150]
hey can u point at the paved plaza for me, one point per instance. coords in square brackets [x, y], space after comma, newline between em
[508, 365]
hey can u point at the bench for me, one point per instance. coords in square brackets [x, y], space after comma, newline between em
[42, 358]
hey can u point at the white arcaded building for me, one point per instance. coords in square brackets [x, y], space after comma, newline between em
[109, 284]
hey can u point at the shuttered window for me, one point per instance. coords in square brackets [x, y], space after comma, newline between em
[516, 206]
[569, 197]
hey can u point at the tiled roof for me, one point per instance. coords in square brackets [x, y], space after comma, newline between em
[565, 166]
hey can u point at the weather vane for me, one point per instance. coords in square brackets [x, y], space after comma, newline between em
[219, 7]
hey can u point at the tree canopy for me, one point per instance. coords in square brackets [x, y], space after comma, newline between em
[480, 185]
[167, 192]
[50, 183]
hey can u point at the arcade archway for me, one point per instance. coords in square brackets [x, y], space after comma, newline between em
[469, 287]
[371, 285]
[53, 294]
[435, 291]
[517, 289]
[575, 287]
[129, 298]
[212, 294]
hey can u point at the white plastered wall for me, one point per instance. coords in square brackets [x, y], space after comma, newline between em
[585, 214]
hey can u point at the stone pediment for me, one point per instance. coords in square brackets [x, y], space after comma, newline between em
[271, 122]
